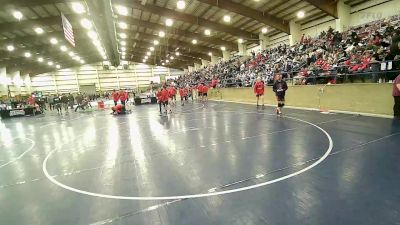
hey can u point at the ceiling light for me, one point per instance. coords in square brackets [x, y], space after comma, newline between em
[71, 54]
[10, 48]
[151, 48]
[167, 61]
[169, 22]
[40, 59]
[78, 7]
[122, 10]
[86, 23]
[123, 53]
[264, 30]
[63, 48]
[207, 32]
[171, 57]
[77, 58]
[38, 30]
[82, 61]
[177, 53]
[227, 18]
[27, 54]
[123, 49]
[148, 53]
[92, 34]
[156, 42]
[53, 41]
[144, 60]
[123, 25]
[194, 41]
[181, 4]
[300, 14]
[123, 35]
[17, 15]
[240, 41]
[123, 57]
[210, 53]
[161, 34]
[223, 48]
[50, 63]
[146, 57]
[163, 64]
[58, 66]
[97, 43]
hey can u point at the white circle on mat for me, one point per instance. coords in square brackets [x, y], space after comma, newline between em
[201, 195]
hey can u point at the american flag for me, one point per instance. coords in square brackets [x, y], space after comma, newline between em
[68, 32]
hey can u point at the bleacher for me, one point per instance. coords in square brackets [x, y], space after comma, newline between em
[362, 53]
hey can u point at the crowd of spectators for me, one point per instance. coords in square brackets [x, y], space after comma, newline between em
[356, 54]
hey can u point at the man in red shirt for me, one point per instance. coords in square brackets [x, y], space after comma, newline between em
[172, 94]
[164, 96]
[123, 95]
[31, 100]
[396, 96]
[118, 109]
[115, 96]
[200, 92]
[259, 91]
[214, 83]
[183, 95]
[204, 90]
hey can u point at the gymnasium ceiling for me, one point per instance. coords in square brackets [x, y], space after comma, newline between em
[141, 22]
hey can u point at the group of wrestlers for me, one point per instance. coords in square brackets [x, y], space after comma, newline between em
[166, 95]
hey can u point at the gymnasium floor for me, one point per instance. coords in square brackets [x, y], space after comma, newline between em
[223, 164]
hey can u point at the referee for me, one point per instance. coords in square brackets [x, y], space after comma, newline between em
[280, 87]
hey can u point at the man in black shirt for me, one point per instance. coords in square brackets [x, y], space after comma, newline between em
[71, 100]
[57, 104]
[280, 87]
[64, 101]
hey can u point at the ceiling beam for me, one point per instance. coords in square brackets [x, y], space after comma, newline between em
[181, 57]
[30, 3]
[158, 62]
[31, 23]
[262, 17]
[328, 6]
[188, 52]
[188, 18]
[175, 65]
[183, 45]
[190, 55]
[178, 32]
[102, 16]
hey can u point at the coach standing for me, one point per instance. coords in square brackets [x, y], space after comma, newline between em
[396, 96]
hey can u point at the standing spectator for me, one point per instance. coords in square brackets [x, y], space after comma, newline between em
[79, 99]
[71, 101]
[115, 96]
[396, 96]
[57, 104]
[64, 101]
[51, 102]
